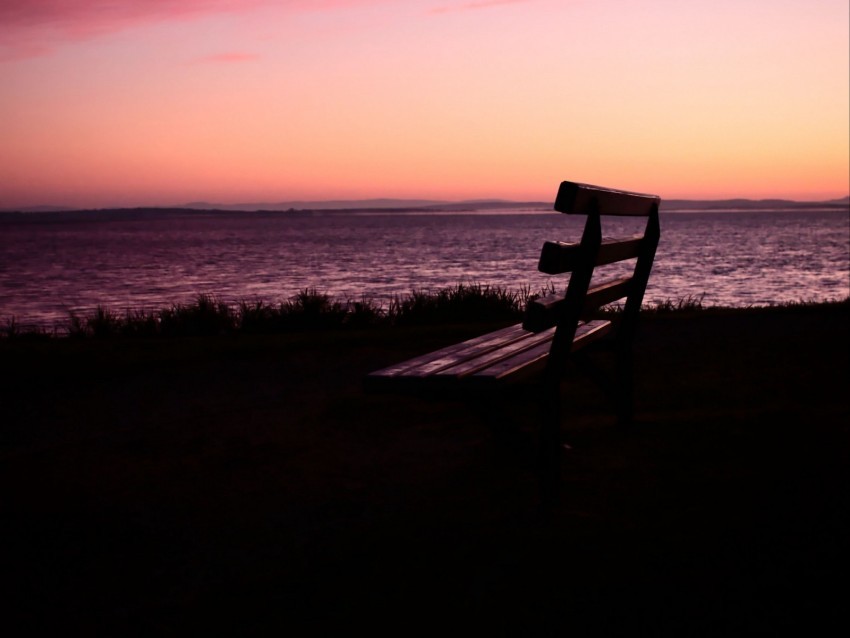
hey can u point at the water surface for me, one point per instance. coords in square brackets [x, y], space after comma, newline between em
[56, 264]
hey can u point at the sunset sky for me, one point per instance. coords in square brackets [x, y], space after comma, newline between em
[130, 103]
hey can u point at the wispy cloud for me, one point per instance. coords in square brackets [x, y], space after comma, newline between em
[35, 27]
[481, 4]
[89, 17]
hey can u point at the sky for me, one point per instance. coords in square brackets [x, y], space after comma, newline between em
[117, 103]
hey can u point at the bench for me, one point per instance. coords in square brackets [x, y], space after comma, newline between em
[557, 327]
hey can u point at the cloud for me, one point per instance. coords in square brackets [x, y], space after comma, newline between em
[35, 27]
[89, 17]
[481, 4]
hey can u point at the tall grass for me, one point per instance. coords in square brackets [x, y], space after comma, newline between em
[690, 303]
[311, 310]
[307, 310]
[461, 303]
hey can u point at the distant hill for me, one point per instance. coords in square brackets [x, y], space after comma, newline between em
[39, 209]
[373, 204]
[333, 204]
[406, 205]
[495, 204]
[670, 205]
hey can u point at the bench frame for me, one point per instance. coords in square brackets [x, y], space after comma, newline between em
[557, 328]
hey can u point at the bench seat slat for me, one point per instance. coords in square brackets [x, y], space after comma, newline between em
[520, 366]
[450, 353]
[479, 361]
[532, 360]
[497, 342]
[501, 356]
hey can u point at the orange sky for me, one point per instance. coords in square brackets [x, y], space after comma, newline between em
[111, 103]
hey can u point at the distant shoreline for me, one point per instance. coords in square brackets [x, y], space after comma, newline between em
[670, 207]
[417, 206]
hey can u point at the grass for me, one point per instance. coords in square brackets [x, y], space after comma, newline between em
[311, 310]
[458, 304]
[684, 304]
[251, 486]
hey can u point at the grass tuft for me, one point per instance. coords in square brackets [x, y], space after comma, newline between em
[13, 330]
[206, 317]
[459, 304]
[691, 303]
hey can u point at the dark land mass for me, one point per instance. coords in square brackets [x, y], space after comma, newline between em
[246, 485]
[54, 214]
[669, 205]
[115, 214]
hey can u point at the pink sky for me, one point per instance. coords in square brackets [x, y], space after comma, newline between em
[122, 103]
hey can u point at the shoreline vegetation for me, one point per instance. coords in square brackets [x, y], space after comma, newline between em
[311, 310]
[245, 483]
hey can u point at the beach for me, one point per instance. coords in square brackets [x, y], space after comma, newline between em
[247, 485]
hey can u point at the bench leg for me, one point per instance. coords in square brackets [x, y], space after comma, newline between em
[625, 386]
[495, 412]
[550, 449]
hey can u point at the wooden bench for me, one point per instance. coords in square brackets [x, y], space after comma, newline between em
[556, 327]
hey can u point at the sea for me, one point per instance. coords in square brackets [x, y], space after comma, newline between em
[53, 265]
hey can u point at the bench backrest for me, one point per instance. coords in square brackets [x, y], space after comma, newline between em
[581, 259]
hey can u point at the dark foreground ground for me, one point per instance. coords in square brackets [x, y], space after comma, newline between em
[247, 486]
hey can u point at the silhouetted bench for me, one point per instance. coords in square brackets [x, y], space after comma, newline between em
[556, 327]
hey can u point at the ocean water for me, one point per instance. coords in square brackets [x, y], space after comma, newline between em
[55, 264]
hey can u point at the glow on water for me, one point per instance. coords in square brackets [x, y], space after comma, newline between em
[53, 265]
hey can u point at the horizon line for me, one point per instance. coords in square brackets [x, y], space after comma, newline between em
[389, 203]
